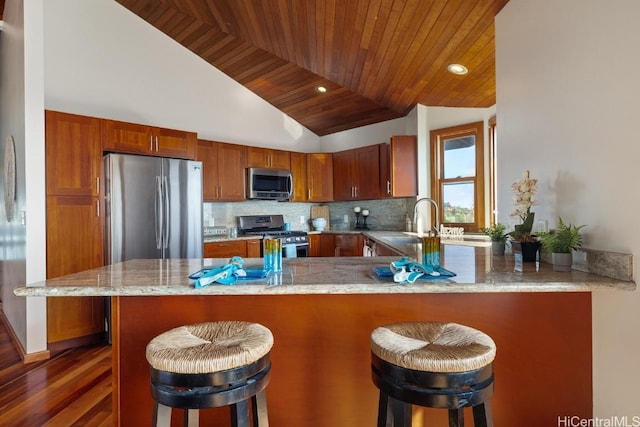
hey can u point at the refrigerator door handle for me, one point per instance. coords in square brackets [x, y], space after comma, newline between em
[165, 234]
[159, 217]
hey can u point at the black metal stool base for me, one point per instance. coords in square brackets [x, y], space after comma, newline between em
[242, 388]
[401, 387]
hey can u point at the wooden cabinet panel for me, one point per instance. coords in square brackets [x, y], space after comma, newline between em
[74, 243]
[330, 244]
[314, 244]
[343, 165]
[367, 172]
[142, 139]
[69, 318]
[268, 158]
[127, 137]
[175, 143]
[356, 174]
[254, 248]
[225, 249]
[73, 154]
[74, 234]
[399, 167]
[320, 177]
[348, 244]
[299, 174]
[327, 245]
[223, 170]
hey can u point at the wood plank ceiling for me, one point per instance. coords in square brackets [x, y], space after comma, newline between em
[377, 58]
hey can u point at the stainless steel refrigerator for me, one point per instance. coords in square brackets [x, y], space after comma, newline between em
[153, 208]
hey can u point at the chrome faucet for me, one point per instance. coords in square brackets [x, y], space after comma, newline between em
[436, 226]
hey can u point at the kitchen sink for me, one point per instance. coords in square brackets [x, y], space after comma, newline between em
[403, 240]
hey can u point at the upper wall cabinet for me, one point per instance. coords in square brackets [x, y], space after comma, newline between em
[356, 174]
[268, 159]
[141, 139]
[320, 177]
[223, 170]
[73, 154]
[312, 177]
[399, 167]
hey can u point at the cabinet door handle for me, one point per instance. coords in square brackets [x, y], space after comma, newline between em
[308, 194]
[97, 184]
[355, 191]
[150, 142]
[388, 187]
[156, 144]
[98, 208]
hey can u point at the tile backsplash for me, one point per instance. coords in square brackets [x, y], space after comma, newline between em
[388, 214]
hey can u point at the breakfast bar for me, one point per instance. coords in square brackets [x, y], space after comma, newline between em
[321, 312]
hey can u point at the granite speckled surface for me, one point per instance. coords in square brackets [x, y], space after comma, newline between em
[477, 271]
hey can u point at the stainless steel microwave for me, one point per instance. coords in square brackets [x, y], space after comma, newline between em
[269, 184]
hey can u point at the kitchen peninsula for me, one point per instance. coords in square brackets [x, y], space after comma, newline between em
[322, 310]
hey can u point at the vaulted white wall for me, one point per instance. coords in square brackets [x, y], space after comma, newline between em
[102, 60]
[567, 110]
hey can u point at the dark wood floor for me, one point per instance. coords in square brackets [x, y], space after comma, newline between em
[72, 388]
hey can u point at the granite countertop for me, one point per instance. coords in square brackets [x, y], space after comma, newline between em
[477, 271]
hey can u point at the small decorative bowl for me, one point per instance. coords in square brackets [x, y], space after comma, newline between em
[319, 223]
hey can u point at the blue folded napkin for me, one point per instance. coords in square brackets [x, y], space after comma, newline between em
[407, 271]
[226, 275]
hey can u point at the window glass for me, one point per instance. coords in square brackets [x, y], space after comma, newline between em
[458, 202]
[459, 157]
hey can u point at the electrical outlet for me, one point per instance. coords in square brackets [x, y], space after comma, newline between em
[302, 219]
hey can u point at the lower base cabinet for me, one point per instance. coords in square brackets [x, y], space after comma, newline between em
[229, 248]
[330, 244]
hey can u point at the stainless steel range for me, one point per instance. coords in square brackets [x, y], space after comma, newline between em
[294, 243]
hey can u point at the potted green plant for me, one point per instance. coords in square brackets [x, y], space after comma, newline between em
[498, 237]
[523, 242]
[561, 242]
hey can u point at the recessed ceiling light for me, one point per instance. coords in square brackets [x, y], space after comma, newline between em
[457, 69]
[321, 89]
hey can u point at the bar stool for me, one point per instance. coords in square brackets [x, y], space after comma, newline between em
[435, 365]
[209, 365]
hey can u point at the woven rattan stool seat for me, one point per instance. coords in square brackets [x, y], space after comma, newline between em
[209, 347]
[434, 365]
[433, 346]
[210, 365]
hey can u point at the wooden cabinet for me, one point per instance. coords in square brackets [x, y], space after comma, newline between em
[330, 244]
[142, 139]
[321, 245]
[73, 154]
[299, 174]
[312, 177]
[268, 158]
[320, 177]
[327, 245]
[348, 244]
[223, 170]
[399, 167]
[225, 249]
[356, 174]
[254, 248]
[74, 225]
[74, 243]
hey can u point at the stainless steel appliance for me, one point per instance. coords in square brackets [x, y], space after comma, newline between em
[295, 243]
[269, 184]
[153, 208]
